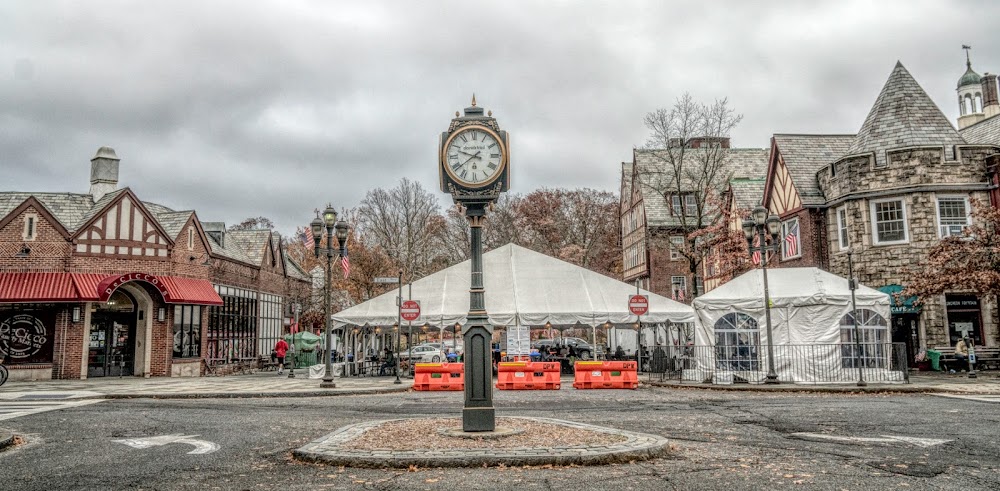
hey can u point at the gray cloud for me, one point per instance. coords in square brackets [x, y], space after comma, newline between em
[236, 109]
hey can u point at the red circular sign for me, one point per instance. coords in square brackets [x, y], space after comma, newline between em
[638, 304]
[410, 310]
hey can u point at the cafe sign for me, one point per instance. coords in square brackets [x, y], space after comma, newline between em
[111, 283]
[26, 338]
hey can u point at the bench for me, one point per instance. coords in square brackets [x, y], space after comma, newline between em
[986, 358]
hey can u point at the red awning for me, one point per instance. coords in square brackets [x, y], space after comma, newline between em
[37, 287]
[87, 287]
[190, 290]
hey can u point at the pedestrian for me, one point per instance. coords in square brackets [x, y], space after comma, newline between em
[962, 353]
[280, 348]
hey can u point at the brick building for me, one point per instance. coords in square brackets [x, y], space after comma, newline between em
[650, 215]
[888, 194]
[104, 283]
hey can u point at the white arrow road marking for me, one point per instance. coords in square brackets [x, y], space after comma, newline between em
[201, 446]
[920, 442]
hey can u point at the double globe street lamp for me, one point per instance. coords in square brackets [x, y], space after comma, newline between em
[760, 226]
[330, 222]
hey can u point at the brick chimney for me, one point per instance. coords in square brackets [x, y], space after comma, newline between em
[991, 106]
[103, 172]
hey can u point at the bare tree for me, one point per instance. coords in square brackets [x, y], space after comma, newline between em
[399, 221]
[688, 144]
[254, 223]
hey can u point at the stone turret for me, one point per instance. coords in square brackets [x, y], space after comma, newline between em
[103, 172]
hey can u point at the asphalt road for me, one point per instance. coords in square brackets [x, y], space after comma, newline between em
[724, 440]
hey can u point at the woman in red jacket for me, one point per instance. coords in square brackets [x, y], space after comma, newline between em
[280, 348]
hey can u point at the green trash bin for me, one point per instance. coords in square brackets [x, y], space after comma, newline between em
[305, 344]
[935, 358]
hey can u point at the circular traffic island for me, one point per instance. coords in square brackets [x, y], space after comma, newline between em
[440, 442]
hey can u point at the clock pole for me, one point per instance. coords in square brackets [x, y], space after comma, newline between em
[478, 413]
[474, 168]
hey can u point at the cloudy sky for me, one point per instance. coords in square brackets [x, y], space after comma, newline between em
[240, 109]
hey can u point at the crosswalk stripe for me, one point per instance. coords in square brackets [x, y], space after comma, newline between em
[973, 397]
[10, 410]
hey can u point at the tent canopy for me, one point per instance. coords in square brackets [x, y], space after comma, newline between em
[523, 287]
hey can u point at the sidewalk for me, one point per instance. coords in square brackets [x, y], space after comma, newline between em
[266, 384]
[920, 382]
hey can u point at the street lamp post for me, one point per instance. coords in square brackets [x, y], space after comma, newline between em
[853, 285]
[330, 222]
[291, 348]
[760, 227]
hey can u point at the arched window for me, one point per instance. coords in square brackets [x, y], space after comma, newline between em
[969, 109]
[737, 339]
[873, 331]
[977, 103]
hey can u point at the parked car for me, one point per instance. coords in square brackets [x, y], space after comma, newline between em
[424, 353]
[445, 347]
[583, 349]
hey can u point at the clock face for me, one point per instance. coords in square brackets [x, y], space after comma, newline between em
[474, 156]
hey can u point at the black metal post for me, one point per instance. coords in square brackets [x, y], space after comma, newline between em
[399, 322]
[852, 284]
[291, 348]
[772, 376]
[327, 382]
[478, 413]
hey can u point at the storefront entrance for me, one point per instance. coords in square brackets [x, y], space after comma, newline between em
[904, 330]
[112, 337]
[964, 318]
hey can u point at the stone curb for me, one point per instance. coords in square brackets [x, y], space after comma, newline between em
[6, 439]
[638, 446]
[249, 395]
[871, 389]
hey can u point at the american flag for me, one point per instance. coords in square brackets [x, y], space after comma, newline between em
[791, 245]
[756, 254]
[307, 237]
[345, 263]
[680, 295]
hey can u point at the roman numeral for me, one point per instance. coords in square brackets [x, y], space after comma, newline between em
[492, 145]
[463, 174]
[494, 155]
[492, 166]
[484, 136]
[456, 166]
[463, 138]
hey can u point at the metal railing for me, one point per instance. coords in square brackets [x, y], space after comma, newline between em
[800, 363]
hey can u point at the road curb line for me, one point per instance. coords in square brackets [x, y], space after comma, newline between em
[250, 395]
[837, 390]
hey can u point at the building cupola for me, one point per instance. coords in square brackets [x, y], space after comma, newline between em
[103, 172]
[970, 95]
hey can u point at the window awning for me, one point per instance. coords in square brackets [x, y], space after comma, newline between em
[43, 287]
[906, 305]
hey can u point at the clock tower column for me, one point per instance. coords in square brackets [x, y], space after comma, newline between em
[474, 145]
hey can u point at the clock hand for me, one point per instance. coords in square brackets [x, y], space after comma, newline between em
[467, 153]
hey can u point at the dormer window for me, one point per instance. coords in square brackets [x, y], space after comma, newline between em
[30, 227]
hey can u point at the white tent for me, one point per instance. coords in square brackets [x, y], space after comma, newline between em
[807, 309]
[523, 288]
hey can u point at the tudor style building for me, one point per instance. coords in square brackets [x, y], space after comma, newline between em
[104, 283]
[650, 216]
[888, 194]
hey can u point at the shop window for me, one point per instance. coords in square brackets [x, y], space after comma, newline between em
[873, 331]
[27, 332]
[232, 326]
[737, 342]
[953, 215]
[187, 331]
[271, 321]
[889, 222]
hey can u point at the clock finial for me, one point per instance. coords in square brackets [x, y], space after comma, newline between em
[473, 99]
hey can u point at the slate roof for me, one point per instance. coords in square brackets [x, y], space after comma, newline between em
[97, 207]
[230, 251]
[251, 242]
[173, 222]
[740, 162]
[804, 155]
[68, 208]
[903, 116]
[985, 132]
[747, 193]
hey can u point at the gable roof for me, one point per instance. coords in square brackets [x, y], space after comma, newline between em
[747, 193]
[986, 132]
[253, 243]
[903, 116]
[67, 208]
[650, 166]
[32, 202]
[804, 155]
[173, 222]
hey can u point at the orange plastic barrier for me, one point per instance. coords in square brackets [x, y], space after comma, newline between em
[606, 375]
[439, 376]
[526, 375]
